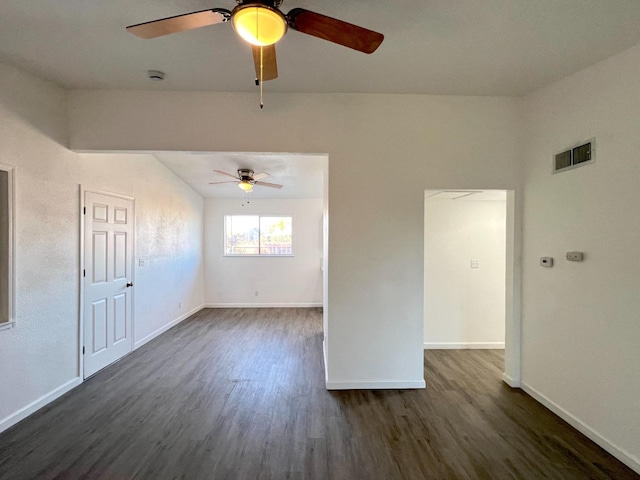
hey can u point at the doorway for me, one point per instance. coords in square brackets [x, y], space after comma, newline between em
[468, 272]
[107, 279]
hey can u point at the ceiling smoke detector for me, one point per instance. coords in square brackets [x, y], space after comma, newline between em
[155, 75]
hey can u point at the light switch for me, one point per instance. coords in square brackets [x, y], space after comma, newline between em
[546, 261]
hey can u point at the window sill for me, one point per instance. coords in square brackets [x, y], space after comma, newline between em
[7, 325]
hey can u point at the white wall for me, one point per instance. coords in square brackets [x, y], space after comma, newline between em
[384, 151]
[39, 356]
[169, 236]
[464, 306]
[279, 281]
[581, 321]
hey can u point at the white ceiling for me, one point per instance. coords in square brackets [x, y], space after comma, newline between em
[462, 47]
[301, 175]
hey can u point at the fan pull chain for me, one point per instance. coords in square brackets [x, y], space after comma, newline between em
[261, 63]
[261, 78]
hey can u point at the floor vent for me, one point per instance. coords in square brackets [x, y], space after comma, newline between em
[573, 157]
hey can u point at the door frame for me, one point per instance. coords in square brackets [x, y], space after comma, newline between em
[83, 190]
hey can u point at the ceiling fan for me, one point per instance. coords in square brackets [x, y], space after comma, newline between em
[246, 179]
[262, 24]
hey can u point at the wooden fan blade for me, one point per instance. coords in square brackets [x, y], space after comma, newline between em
[218, 183]
[227, 174]
[260, 176]
[334, 30]
[267, 184]
[269, 65]
[179, 23]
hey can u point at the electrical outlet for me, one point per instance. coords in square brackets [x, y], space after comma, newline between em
[256, 293]
[475, 263]
[179, 304]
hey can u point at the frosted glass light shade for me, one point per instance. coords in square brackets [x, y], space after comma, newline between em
[246, 186]
[259, 25]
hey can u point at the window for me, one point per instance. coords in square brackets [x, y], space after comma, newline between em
[258, 235]
[6, 246]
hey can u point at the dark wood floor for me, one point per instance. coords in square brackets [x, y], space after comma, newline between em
[239, 394]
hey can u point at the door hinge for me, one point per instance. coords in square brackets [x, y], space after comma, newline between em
[84, 273]
[83, 350]
[84, 210]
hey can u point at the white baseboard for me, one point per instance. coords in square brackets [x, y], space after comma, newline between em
[324, 357]
[512, 382]
[625, 457]
[36, 405]
[464, 345]
[262, 305]
[166, 327]
[393, 385]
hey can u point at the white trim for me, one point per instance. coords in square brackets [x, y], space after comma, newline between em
[11, 267]
[262, 305]
[36, 405]
[464, 345]
[625, 457]
[379, 385]
[166, 327]
[324, 358]
[7, 325]
[81, 290]
[512, 382]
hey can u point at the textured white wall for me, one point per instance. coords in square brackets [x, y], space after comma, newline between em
[384, 151]
[581, 321]
[39, 356]
[169, 236]
[464, 306]
[280, 281]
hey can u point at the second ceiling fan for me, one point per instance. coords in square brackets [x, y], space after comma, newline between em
[262, 24]
[247, 179]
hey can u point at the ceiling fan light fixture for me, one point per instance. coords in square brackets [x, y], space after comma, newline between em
[259, 24]
[245, 186]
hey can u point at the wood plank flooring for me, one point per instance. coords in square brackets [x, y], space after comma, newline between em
[239, 394]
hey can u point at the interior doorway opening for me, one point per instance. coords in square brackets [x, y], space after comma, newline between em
[469, 272]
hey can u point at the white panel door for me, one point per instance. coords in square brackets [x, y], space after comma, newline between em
[108, 284]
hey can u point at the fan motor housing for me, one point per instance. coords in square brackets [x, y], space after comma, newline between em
[270, 3]
[245, 174]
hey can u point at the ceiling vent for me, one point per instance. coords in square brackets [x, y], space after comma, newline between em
[573, 157]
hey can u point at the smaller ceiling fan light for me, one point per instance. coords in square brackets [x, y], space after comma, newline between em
[245, 186]
[259, 24]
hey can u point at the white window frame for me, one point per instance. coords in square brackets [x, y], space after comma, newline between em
[243, 255]
[10, 203]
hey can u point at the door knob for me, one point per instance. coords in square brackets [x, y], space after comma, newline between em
[130, 284]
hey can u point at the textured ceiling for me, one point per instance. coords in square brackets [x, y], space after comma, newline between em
[462, 47]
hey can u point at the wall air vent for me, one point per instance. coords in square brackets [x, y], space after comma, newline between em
[573, 157]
